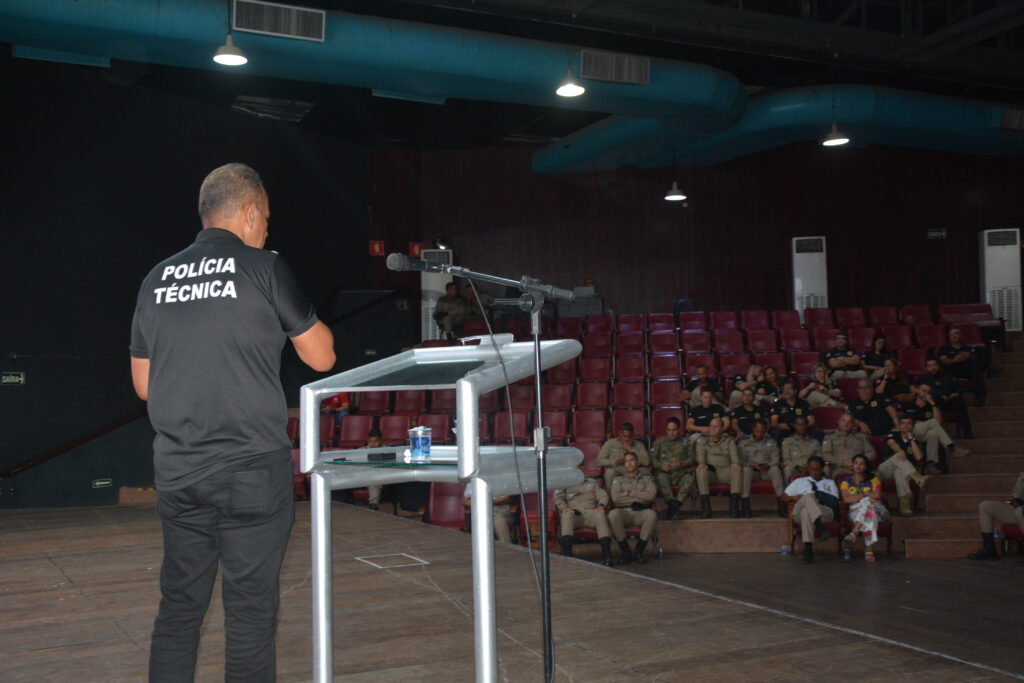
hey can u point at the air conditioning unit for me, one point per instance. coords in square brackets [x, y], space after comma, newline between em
[810, 274]
[432, 289]
[999, 256]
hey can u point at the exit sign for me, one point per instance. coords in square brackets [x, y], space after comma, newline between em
[12, 379]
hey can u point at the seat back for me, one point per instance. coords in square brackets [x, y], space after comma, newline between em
[354, 430]
[825, 338]
[728, 341]
[818, 317]
[442, 401]
[803, 362]
[860, 337]
[596, 370]
[826, 418]
[913, 361]
[916, 314]
[897, 336]
[599, 324]
[695, 341]
[629, 395]
[795, 339]
[632, 368]
[445, 506]
[930, 335]
[692, 320]
[723, 320]
[630, 344]
[597, 345]
[440, 426]
[785, 320]
[591, 449]
[501, 428]
[589, 425]
[657, 322]
[629, 322]
[754, 320]
[557, 422]
[883, 315]
[850, 317]
[410, 402]
[692, 360]
[374, 402]
[327, 428]
[568, 328]
[666, 394]
[665, 368]
[662, 342]
[474, 327]
[394, 429]
[592, 396]
[776, 359]
[562, 373]
[523, 397]
[556, 396]
[733, 364]
[488, 402]
[637, 418]
[762, 340]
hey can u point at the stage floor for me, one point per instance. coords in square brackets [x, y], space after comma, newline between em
[79, 593]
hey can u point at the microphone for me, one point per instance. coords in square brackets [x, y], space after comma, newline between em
[402, 262]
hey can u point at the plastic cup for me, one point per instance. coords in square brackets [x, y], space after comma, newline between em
[419, 444]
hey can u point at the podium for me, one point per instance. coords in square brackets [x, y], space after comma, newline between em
[490, 470]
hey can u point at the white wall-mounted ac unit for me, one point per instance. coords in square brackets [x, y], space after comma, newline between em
[432, 289]
[810, 273]
[999, 257]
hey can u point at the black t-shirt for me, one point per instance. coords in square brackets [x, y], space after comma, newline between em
[950, 352]
[894, 387]
[918, 412]
[745, 419]
[942, 385]
[768, 389]
[873, 413]
[212, 321]
[904, 444]
[836, 353]
[877, 359]
[702, 416]
[788, 413]
[709, 383]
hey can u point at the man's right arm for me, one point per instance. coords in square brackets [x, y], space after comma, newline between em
[315, 347]
[140, 377]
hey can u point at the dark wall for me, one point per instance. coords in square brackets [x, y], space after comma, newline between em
[100, 182]
[729, 249]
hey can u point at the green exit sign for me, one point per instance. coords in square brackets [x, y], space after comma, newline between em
[12, 379]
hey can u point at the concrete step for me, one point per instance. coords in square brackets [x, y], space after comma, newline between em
[992, 446]
[959, 502]
[940, 548]
[1005, 398]
[997, 413]
[1002, 384]
[998, 429]
[1000, 462]
[924, 524]
[695, 536]
[981, 482]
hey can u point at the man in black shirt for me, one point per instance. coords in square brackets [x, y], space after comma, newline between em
[946, 391]
[963, 363]
[842, 361]
[699, 421]
[928, 428]
[787, 409]
[875, 414]
[743, 418]
[749, 380]
[691, 392]
[209, 326]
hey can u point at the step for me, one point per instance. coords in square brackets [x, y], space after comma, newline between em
[959, 502]
[993, 446]
[135, 496]
[924, 524]
[977, 482]
[992, 413]
[998, 429]
[940, 548]
[1005, 398]
[1003, 384]
[993, 463]
[763, 534]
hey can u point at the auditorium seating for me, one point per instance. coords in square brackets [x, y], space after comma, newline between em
[754, 320]
[692, 360]
[630, 344]
[631, 369]
[502, 433]
[637, 418]
[861, 338]
[660, 415]
[629, 395]
[629, 323]
[762, 340]
[695, 341]
[556, 397]
[818, 317]
[662, 343]
[930, 335]
[442, 401]
[660, 322]
[733, 364]
[850, 317]
[374, 402]
[795, 339]
[785, 320]
[897, 337]
[589, 425]
[597, 345]
[410, 402]
[599, 324]
[523, 397]
[557, 422]
[562, 373]
[664, 368]
[592, 396]
[440, 425]
[445, 507]
[596, 370]
[665, 394]
[568, 328]
[728, 341]
[825, 338]
[354, 431]
[883, 315]
[914, 315]
[692, 320]
[394, 429]
[723, 320]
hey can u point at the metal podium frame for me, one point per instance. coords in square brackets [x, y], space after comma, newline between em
[490, 470]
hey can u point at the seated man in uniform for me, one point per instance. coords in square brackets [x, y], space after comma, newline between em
[692, 391]
[502, 513]
[761, 463]
[718, 462]
[699, 422]
[450, 311]
[338, 405]
[991, 512]
[373, 440]
[946, 392]
[613, 451]
[742, 419]
[473, 309]
[672, 461]
[741, 383]
[874, 414]
[584, 505]
[841, 445]
[632, 493]
[798, 449]
[787, 409]
[842, 361]
[963, 363]
[901, 454]
[811, 513]
[928, 428]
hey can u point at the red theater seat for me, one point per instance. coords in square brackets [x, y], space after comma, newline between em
[897, 336]
[861, 337]
[728, 341]
[394, 429]
[723, 320]
[629, 344]
[599, 324]
[733, 364]
[568, 328]
[556, 396]
[597, 345]
[440, 426]
[824, 338]
[795, 339]
[632, 369]
[589, 425]
[930, 336]
[914, 315]
[354, 430]
[692, 320]
[818, 317]
[850, 317]
[592, 396]
[665, 394]
[374, 402]
[664, 368]
[410, 402]
[596, 370]
[445, 507]
[883, 315]
[629, 395]
[442, 401]
[785, 320]
[662, 343]
[762, 341]
[658, 322]
[563, 373]
[802, 363]
[754, 320]
[629, 322]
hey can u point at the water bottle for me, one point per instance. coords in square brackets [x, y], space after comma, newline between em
[419, 441]
[785, 550]
[661, 553]
[846, 553]
[995, 537]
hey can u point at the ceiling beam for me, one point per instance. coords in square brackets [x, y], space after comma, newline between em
[999, 19]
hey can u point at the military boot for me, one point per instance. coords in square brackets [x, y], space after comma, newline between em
[627, 554]
[606, 552]
[674, 511]
[565, 543]
[705, 507]
[907, 505]
[638, 552]
[734, 506]
[782, 509]
[808, 553]
[747, 512]
[988, 549]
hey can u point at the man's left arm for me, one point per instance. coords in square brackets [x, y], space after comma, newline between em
[140, 377]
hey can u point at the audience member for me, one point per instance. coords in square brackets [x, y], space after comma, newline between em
[584, 505]
[770, 388]
[338, 405]
[813, 507]
[742, 419]
[672, 461]
[450, 311]
[819, 390]
[928, 428]
[798, 449]
[611, 456]
[501, 512]
[718, 462]
[691, 392]
[842, 445]
[374, 440]
[874, 360]
[991, 512]
[699, 421]
[946, 392]
[899, 463]
[473, 309]
[893, 384]
[862, 491]
[740, 383]
[760, 463]
[785, 412]
[842, 360]
[873, 413]
[632, 493]
[963, 363]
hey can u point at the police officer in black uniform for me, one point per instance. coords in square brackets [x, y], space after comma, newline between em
[946, 391]
[875, 414]
[963, 362]
[697, 424]
[210, 323]
[743, 418]
[785, 412]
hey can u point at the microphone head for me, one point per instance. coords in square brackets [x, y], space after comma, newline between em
[397, 261]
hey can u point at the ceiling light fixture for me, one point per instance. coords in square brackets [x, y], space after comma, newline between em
[569, 87]
[834, 138]
[674, 194]
[229, 55]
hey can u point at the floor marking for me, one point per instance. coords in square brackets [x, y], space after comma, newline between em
[836, 627]
[416, 562]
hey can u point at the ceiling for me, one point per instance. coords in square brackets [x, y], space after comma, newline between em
[959, 48]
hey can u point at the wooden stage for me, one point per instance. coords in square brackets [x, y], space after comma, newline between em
[79, 593]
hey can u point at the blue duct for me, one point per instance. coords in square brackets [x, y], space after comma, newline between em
[415, 60]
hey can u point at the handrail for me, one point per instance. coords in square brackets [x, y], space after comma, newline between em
[75, 443]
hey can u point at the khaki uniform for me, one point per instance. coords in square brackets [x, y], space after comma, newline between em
[796, 452]
[839, 448]
[721, 456]
[899, 471]
[612, 450]
[627, 490]
[929, 431]
[992, 511]
[577, 507]
[501, 513]
[665, 451]
[763, 452]
[456, 309]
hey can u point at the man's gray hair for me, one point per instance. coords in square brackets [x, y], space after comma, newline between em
[227, 189]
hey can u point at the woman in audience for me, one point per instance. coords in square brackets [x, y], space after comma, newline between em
[894, 384]
[862, 491]
[819, 389]
[770, 388]
[874, 360]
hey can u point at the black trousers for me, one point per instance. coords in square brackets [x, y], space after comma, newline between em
[959, 406]
[238, 519]
[972, 370]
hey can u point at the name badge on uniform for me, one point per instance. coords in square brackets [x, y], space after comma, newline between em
[874, 404]
[799, 411]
